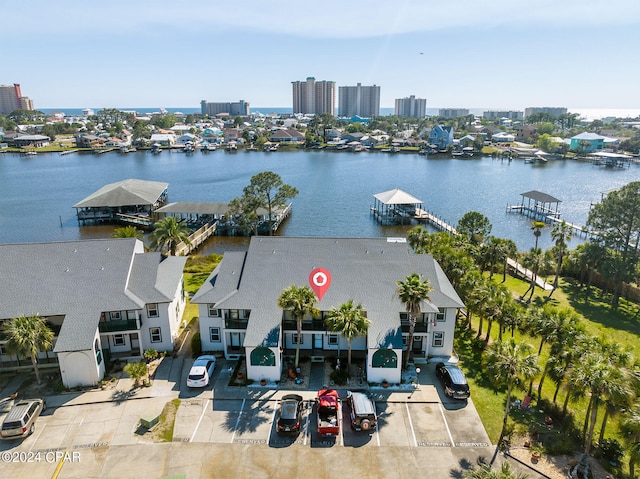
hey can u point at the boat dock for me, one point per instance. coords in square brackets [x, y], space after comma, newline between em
[433, 220]
[196, 239]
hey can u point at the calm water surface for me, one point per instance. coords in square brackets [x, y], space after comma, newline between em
[336, 189]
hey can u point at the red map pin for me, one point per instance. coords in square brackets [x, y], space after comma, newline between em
[319, 280]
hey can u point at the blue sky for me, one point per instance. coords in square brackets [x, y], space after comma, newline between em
[459, 53]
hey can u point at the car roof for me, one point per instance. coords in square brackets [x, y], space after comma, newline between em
[203, 360]
[457, 376]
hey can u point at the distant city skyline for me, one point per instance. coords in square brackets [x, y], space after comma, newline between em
[505, 54]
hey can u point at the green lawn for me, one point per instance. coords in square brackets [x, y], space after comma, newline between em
[621, 326]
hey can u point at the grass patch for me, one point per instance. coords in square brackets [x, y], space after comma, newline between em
[163, 432]
[197, 269]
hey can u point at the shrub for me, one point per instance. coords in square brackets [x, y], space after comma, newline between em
[196, 344]
[610, 450]
[136, 371]
[150, 354]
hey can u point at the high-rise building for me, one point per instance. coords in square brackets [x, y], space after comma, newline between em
[411, 106]
[551, 110]
[239, 108]
[453, 112]
[359, 100]
[313, 97]
[11, 99]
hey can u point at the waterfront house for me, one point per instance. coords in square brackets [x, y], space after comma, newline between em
[31, 141]
[188, 138]
[286, 136]
[104, 299]
[525, 133]
[441, 135]
[503, 138]
[239, 314]
[587, 142]
[163, 139]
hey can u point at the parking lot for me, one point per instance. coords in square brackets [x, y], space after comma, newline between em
[245, 418]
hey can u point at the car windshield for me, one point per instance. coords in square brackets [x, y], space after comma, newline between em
[289, 410]
[196, 377]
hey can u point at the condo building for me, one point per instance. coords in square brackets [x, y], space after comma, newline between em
[498, 114]
[411, 107]
[239, 108]
[453, 112]
[363, 101]
[313, 97]
[551, 110]
[11, 99]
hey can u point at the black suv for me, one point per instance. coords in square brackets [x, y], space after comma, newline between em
[363, 413]
[453, 380]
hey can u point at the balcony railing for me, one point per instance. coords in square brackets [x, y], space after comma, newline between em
[118, 325]
[236, 323]
[420, 327]
[315, 325]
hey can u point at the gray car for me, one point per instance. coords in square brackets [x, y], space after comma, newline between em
[20, 422]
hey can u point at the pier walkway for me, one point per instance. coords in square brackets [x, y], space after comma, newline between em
[196, 239]
[528, 274]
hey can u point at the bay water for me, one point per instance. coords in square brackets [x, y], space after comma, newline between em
[37, 193]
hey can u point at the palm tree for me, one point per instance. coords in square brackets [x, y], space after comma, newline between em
[537, 226]
[350, 321]
[630, 428]
[533, 260]
[168, 233]
[127, 232]
[26, 335]
[485, 471]
[561, 234]
[412, 291]
[300, 300]
[510, 364]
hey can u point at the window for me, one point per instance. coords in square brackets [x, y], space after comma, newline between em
[233, 314]
[214, 335]
[333, 339]
[213, 312]
[3, 349]
[404, 340]
[152, 310]
[156, 335]
[295, 338]
[441, 315]
[118, 340]
[438, 339]
[115, 315]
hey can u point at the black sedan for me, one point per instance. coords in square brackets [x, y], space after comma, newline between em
[290, 414]
[453, 380]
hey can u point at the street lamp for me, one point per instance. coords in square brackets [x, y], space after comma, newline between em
[418, 377]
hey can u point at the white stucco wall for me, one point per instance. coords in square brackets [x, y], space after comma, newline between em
[270, 373]
[207, 322]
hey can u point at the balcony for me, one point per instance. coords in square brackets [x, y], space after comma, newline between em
[315, 325]
[121, 325]
[236, 323]
[420, 327]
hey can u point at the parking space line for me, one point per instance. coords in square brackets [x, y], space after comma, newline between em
[446, 424]
[413, 433]
[195, 429]
[273, 418]
[377, 430]
[33, 442]
[233, 436]
[306, 424]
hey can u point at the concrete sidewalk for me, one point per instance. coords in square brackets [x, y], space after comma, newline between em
[167, 377]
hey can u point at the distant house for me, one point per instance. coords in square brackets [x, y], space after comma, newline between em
[587, 142]
[104, 299]
[232, 134]
[187, 138]
[286, 136]
[440, 135]
[164, 139]
[31, 141]
[356, 136]
[524, 133]
[503, 137]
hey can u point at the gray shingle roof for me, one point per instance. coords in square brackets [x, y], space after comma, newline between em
[125, 193]
[81, 279]
[363, 269]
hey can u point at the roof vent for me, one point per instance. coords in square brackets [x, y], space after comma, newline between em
[101, 268]
[66, 270]
[75, 250]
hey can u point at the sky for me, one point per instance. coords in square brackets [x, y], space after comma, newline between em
[496, 54]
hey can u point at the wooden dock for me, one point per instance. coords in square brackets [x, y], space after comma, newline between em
[527, 274]
[433, 220]
[196, 239]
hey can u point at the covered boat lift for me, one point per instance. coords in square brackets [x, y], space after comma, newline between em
[397, 206]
